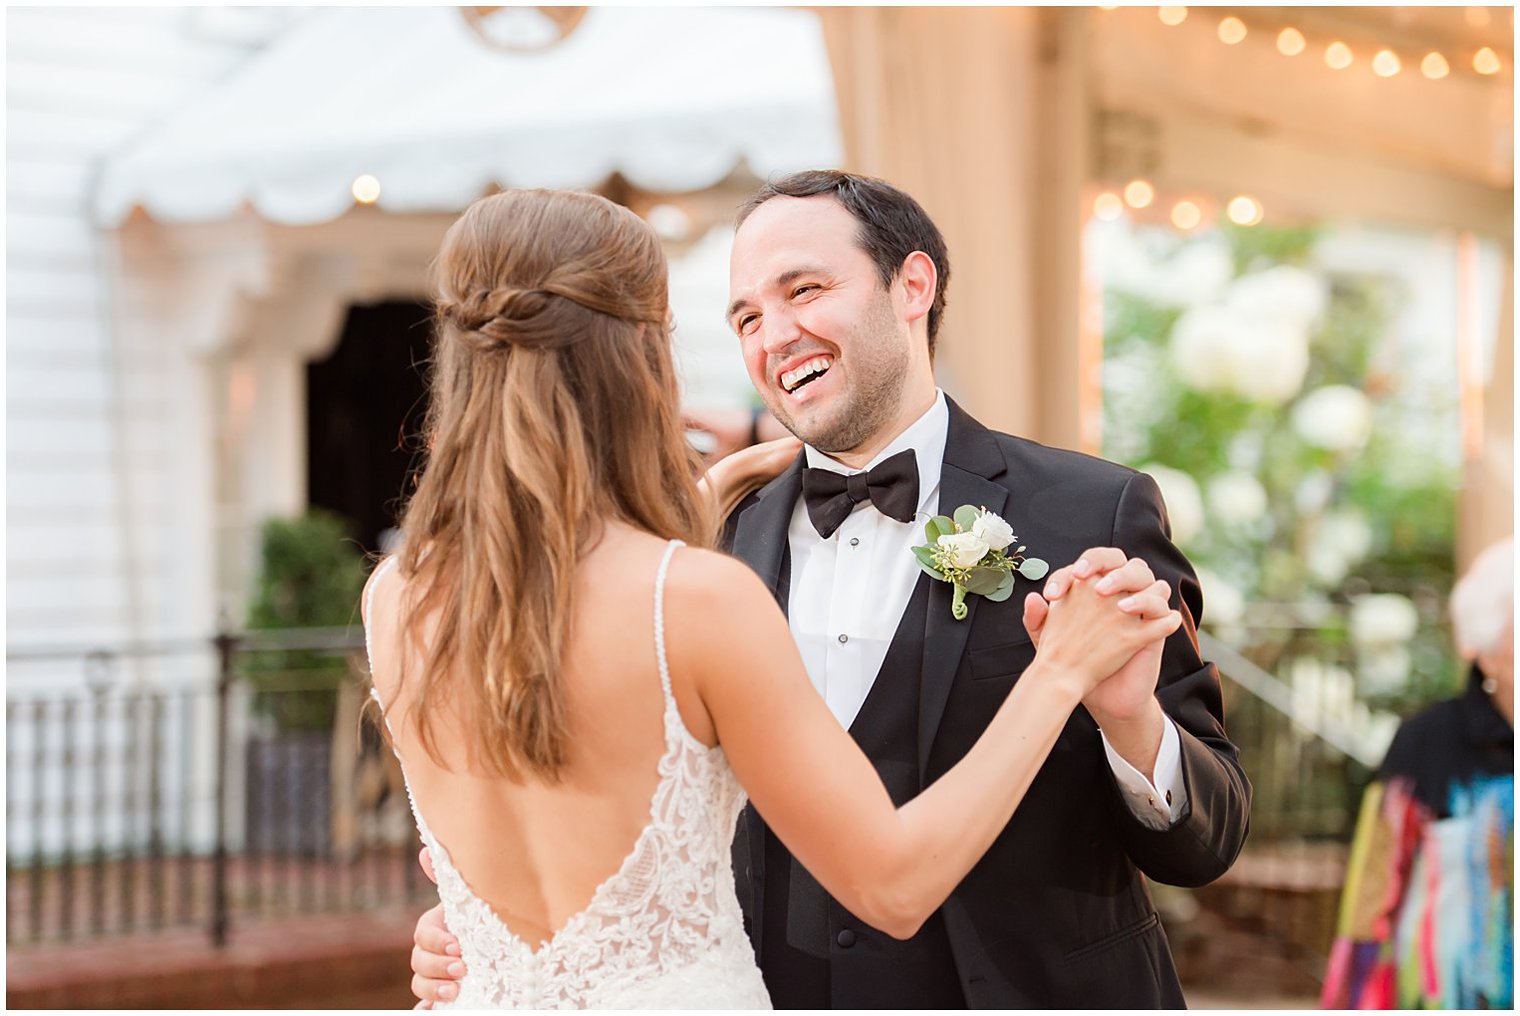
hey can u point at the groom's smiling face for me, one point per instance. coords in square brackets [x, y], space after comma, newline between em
[825, 343]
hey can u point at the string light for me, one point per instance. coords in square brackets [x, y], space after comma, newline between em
[1244, 210]
[1231, 30]
[1108, 206]
[366, 189]
[1290, 42]
[1434, 66]
[1139, 193]
[1386, 63]
[1172, 15]
[1186, 215]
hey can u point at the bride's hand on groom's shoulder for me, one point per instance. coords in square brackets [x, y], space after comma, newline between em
[733, 477]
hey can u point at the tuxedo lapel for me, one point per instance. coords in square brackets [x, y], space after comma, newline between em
[972, 461]
[760, 539]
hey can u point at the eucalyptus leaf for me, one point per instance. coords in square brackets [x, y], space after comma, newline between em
[1003, 591]
[1034, 569]
[983, 581]
[926, 561]
[939, 526]
[965, 517]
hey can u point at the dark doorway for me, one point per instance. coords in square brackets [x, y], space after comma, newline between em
[364, 409]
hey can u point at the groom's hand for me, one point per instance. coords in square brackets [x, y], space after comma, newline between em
[1124, 706]
[435, 952]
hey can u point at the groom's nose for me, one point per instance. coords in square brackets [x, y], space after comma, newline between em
[779, 330]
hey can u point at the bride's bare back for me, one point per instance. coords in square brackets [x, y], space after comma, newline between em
[536, 852]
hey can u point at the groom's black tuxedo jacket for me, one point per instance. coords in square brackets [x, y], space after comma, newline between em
[1055, 914]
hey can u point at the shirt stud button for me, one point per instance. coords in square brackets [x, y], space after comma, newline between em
[1168, 797]
[854, 541]
[843, 639]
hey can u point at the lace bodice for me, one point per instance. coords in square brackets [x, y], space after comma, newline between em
[664, 931]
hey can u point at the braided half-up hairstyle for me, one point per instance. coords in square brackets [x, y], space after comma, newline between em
[554, 408]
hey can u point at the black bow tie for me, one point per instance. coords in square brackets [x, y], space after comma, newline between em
[892, 486]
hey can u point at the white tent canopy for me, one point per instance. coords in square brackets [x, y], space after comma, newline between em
[673, 98]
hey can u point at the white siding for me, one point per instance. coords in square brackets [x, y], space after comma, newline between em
[88, 453]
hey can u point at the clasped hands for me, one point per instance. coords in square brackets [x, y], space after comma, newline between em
[1129, 631]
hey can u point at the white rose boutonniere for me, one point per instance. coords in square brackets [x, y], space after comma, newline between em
[970, 551]
[965, 550]
[993, 530]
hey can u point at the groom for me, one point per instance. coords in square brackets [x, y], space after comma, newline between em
[838, 288]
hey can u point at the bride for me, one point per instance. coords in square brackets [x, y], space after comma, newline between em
[580, 706]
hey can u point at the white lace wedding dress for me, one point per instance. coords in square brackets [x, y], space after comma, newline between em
[664, 932]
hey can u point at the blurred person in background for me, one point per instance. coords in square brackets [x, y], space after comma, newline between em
[1427, 915]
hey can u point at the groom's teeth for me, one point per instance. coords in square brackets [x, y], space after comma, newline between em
[793, 377]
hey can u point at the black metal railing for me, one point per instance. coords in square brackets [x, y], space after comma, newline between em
[200, 783]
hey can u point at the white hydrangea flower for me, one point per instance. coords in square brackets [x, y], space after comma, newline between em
[1223, 603]
[1282, 293]
[1336, 417]
[993, 530]
[1215, 348]
[966, 549]
[1383, 619]
[1184, 504]
[1237, 498]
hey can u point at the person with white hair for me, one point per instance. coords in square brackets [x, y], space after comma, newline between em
[1427, 914]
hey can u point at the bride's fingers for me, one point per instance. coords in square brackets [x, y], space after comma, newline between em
[1153, 603]
[1035, 612]
[1094, 561]
[1133, 576]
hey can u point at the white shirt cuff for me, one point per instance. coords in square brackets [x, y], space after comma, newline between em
[1159, 805]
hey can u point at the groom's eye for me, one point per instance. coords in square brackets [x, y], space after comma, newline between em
[744, 322]
[803, 289]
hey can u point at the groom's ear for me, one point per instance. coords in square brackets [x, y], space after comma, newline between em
[916, 281]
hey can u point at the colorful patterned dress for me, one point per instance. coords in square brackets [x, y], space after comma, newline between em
[1427, 914]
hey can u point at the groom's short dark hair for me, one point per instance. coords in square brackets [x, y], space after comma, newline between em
[892, 224]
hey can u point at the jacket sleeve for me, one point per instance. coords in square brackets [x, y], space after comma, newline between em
[1204, 841]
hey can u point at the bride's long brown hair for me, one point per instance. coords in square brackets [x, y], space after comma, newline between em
[554, 409]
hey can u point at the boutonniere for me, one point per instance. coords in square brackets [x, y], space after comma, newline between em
[971, 551]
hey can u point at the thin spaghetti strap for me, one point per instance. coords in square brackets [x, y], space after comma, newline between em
[659, 619]
[369, 645]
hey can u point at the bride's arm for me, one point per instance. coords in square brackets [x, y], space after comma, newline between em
[890, 866]
[732, 477]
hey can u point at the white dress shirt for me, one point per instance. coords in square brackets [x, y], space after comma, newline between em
[848, 594]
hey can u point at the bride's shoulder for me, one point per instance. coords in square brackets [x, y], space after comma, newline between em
[711, 580]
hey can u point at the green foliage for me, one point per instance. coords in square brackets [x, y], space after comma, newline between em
[1401, 494]
[311, 575]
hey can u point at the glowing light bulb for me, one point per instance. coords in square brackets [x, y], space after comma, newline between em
[1290, 42]
[1338, 56]
[1108, 206]
[1172, 15]
[1244, 210]
[1186, 215]
[1231, 30]
[1139, 193]
[366, 189]
[1486, 61]
[1434, 66]
[1386, 63]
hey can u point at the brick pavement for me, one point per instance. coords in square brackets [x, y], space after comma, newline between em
[322, 961]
